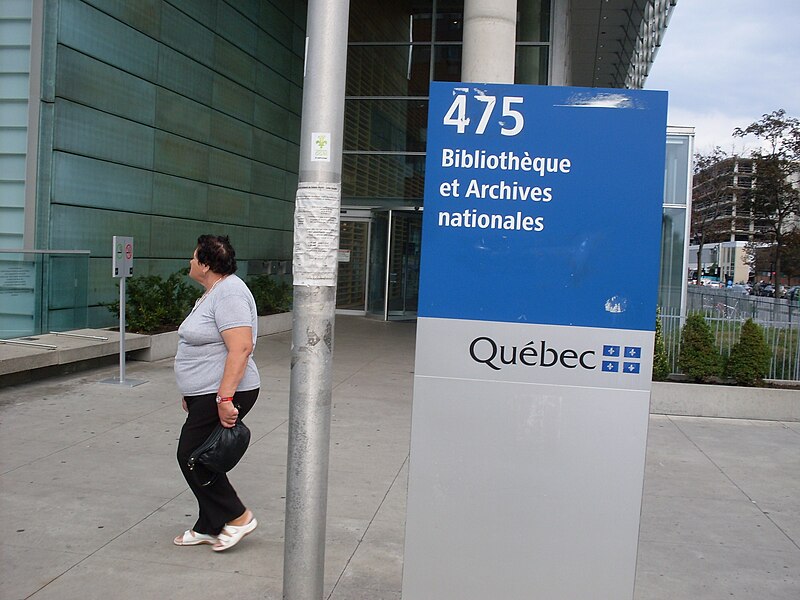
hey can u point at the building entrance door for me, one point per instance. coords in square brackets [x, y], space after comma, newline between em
[351, 287]
[394, 264]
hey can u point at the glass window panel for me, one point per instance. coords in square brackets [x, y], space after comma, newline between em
[673, 230]
[447, 65]
[531, 65]
[352, 274]
[376, 300]
[386, 125]
[396, 21]
[449, 20]
[382, 177]
[533, 20]
[404, 254]
[676, 170]
[401, 70]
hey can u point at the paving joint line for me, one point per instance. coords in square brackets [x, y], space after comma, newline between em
[737, 486]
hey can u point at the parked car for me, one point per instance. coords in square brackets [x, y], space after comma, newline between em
[739, 289]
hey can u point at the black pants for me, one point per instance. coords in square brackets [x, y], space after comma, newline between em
[218, 501]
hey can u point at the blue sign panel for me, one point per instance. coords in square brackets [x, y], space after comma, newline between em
[543, 205]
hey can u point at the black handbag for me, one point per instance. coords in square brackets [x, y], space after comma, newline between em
[220, 452]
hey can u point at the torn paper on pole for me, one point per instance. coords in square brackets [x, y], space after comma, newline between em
[316, 234]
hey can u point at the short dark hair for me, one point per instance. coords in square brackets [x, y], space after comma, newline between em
[216, 252]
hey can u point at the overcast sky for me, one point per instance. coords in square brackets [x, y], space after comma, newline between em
[727, 62]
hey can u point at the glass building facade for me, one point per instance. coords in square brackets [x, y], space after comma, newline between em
[166, 119]
[393, 55]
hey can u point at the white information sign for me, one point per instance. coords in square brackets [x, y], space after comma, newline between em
[320, 146]
[122, 256]
[316, 234]
[534, 342]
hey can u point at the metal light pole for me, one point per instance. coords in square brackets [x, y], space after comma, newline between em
[316, 242]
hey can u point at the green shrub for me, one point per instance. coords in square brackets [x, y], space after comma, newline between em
[271, 296]
[698, 358]
[748, 363]
[154, 304]
[660, 360]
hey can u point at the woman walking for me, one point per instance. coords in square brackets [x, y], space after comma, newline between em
[219, 382]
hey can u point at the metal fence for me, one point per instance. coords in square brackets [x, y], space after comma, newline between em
[725, 314]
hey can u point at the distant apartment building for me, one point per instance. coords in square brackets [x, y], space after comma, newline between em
[723, 219]
[721, 202]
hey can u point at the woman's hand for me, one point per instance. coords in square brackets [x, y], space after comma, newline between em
[228, 414]
[183, 404]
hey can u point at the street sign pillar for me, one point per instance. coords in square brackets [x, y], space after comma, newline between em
[538, 288]
[122, 268]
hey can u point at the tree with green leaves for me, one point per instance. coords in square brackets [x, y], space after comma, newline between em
[748, 363]
[791, 256]
[698, 357]
[661, 367]
[775, 198]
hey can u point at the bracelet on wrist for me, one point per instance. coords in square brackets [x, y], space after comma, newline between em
[221, 399]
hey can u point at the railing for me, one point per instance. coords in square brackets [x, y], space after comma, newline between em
[727, 304]
[42, 290]
[725, 313]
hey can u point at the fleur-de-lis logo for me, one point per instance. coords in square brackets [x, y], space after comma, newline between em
[321, 142]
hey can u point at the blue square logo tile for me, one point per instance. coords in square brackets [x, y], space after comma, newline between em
[610, 366]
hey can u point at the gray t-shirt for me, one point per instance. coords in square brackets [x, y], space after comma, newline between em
[200, 360]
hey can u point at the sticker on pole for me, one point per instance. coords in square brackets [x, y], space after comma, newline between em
[316, 234]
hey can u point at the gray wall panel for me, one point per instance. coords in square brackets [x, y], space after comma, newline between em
[228, 206]
[183, 33]
[178, 196]
[270, 149]
[80, 228]
[270, 213]
[232, 135]
[89, 132]
[88, 81]
[144, 15]
[185, 76]
[88, 182]
[236, 28]
[233, 99]
[176, 155]
[273, 20]
[229, 170]
[177, 238]
[278, 56]
[234, 62]
[278, 119]
[203, 11]
[249, 8]
[182, 116]
[94, 33]
[269, 181]
[169, 123]
[273, 86]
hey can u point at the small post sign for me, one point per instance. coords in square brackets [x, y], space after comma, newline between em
[122, 258]
[538, 287]
[122, 268]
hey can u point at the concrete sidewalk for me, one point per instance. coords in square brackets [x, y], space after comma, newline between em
[91, 495]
